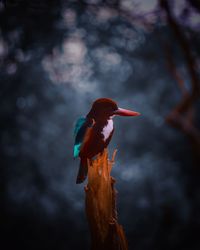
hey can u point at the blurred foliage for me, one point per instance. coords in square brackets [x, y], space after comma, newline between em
[56, 57]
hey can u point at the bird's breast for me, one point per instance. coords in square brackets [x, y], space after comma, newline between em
[107, 129]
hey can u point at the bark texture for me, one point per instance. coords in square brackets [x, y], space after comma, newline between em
[101, 211]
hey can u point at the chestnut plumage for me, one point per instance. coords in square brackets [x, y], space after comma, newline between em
[94, 132]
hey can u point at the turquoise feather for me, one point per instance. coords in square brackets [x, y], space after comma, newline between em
[78, 125]
[77, 148]
[77, 145]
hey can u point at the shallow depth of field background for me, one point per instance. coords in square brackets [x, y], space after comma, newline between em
[56, 58]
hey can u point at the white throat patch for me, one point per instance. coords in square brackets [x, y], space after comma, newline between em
[107, 129]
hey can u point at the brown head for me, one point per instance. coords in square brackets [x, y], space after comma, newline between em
[104, 108]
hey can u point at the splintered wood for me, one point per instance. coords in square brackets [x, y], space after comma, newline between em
[101, 211]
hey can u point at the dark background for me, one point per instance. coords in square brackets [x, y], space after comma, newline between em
[56, 58]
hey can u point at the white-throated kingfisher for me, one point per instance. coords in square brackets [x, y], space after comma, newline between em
[94, 132]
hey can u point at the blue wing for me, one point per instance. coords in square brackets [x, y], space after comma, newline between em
[78, 125]
[80, 130]
[79, 135]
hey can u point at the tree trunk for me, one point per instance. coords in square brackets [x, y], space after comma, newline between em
[106, 233]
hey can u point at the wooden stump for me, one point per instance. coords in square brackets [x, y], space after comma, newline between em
[106, 233]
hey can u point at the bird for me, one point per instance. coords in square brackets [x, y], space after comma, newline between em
[94, 132]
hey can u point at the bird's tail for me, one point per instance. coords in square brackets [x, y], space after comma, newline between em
[83, 170]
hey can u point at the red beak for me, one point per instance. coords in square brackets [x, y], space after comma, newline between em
[126, 112]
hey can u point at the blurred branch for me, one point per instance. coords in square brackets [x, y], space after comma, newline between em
[106, 233]
[174, 71]
[183, 121]
[189, 59]
[195, 4]
[182, 116]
